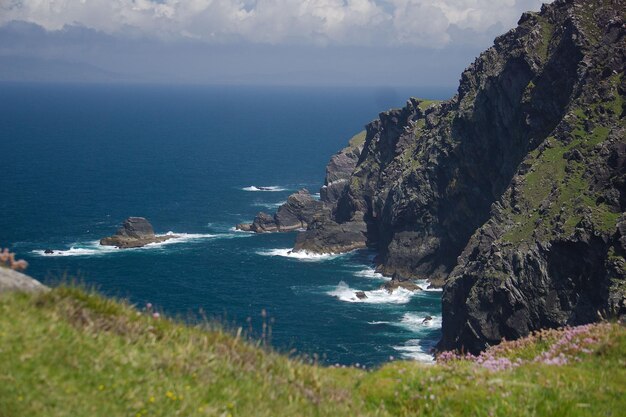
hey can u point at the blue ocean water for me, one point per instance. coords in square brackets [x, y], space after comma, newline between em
[77, 160]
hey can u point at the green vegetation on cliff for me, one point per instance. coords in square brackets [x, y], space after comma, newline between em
[72, 353]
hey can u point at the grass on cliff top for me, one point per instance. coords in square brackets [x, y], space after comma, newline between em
[73, 353]
[426, 103]
[358, 139]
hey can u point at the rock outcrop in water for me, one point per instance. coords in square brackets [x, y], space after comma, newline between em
[297, 213]
[134, 233]
[513, 192]
[301, 210]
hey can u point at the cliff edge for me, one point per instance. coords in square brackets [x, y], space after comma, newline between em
[512, 193]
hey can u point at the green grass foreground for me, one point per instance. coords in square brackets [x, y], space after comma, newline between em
[69, 352]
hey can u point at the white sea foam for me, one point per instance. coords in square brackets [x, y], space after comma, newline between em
[269, 188]
[269, 205]
[235, 230]
[417, 322]
[300, 255]
[412, 349]
[398, 296]
[94, 248]
[180, 238]
[424, 284]
[79, 251]
[371, 274]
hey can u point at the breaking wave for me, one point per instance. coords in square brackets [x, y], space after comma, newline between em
[269, 188]
[371, 274]
[300, 255]
[381, 296]
[414, 349]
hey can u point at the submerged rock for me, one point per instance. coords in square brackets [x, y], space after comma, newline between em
[360, 295]
[134, 233]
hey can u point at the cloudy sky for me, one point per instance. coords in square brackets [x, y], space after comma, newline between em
[307, 42]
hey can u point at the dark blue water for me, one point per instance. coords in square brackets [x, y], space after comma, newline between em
[77, 160]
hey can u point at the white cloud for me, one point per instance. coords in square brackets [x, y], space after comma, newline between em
[339, 22]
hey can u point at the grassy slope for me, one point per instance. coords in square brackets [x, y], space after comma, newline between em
[69, 353]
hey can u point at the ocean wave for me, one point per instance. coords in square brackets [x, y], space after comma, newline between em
[424, 284]
[300, 255]
[88, 250]
[417, 322]
[269, 188]
[371, 274]
[269, 205]
[93, 248]
[399, 296]
[245, 232]
[180, 238]
[414, 349]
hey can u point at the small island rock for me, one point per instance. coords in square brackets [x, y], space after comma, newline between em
[134, 233]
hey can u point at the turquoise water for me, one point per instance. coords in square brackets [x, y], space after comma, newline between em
[78, 160]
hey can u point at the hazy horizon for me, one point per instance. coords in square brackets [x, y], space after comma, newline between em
[390, 43]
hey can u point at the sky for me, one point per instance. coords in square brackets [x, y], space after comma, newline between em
[250, 42]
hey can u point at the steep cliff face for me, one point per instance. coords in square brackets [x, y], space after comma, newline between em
[552, 252]
[339, 169]
[531, 149]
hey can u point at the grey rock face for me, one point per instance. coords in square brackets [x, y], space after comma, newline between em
[136, 228]
[134, 233]
[511, 192]
[325, 235]
[11, 280]
[295, 214]
[551, 253]
[339, 169]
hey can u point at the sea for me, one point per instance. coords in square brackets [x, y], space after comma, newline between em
[77, 160]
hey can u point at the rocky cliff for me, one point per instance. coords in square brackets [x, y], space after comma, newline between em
[512, 193]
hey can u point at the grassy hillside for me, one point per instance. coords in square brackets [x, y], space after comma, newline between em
[72, 353]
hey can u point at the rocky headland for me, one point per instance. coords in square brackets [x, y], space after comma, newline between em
[134, 233]
[511, 195]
